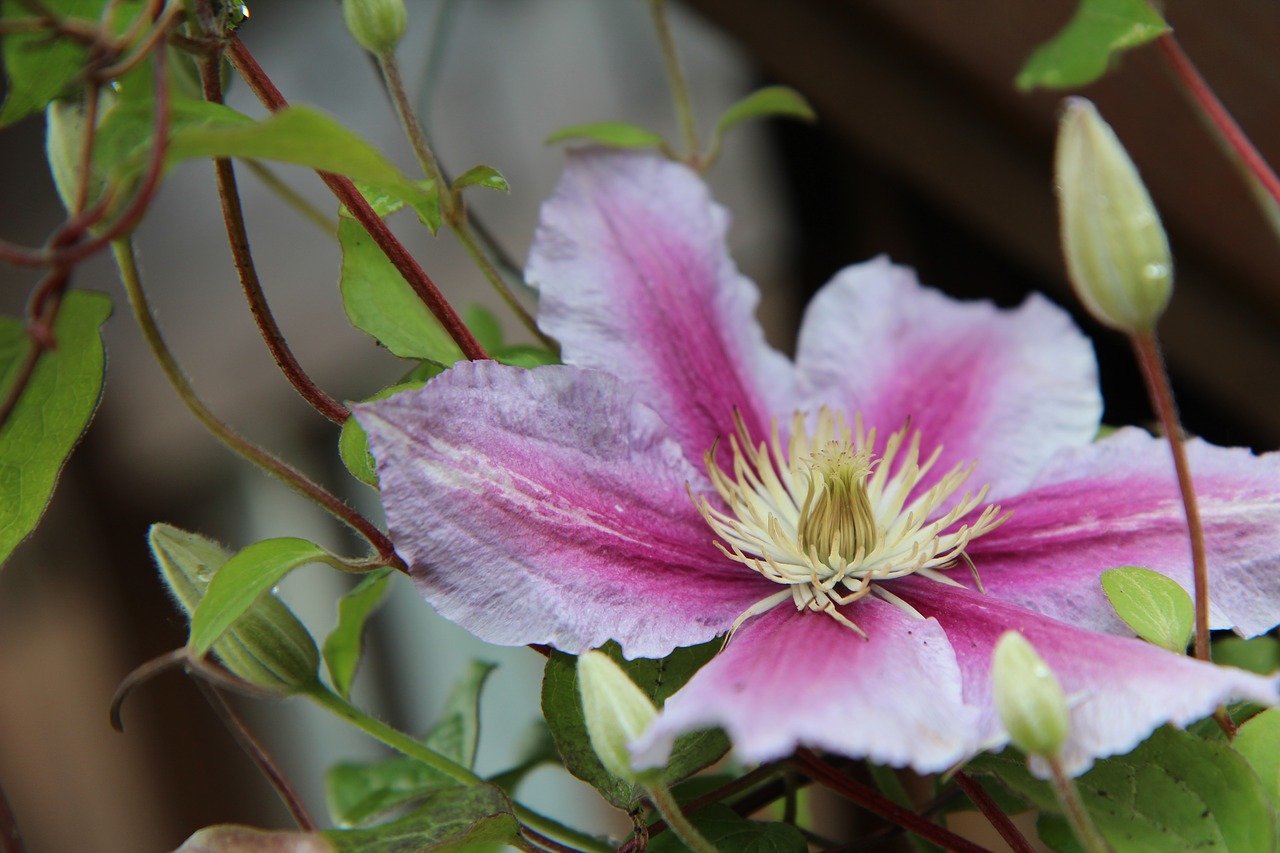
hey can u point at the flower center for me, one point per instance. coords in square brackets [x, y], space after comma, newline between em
[831, 521]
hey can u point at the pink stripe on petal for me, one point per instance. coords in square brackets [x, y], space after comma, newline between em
[548, 506]
[1120, 689]
[1003, 388]
[635, 279]
[790, 679]
[1116, 503]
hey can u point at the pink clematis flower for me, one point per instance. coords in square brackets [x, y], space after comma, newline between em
[866, 520]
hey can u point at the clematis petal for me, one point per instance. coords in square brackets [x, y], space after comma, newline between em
[1004, 388]
[1116, 503]
[635, 279]
[1121, 689]
[793, 678]
[548, 506]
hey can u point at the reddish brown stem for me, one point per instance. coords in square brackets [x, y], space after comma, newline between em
[993, 813]
[1157, 381]
[345, 190]
[874, 802]
[1204, 97]
[10, 837]
[238, 238]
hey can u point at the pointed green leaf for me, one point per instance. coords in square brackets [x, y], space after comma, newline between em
[482, 176]
[1259, 742]
[562, 709]
[1256, 654]
[1154, 606]
[1176, 792]
[267, 646]
[244, 579]
[451, 819]
[615, 134]
[457, 731]
[40, 66]
[353, 449]
[54, 410]
[360, 793]
[729, 831]
[1083, 50]
[769, 102]
[344, 645]
[381, 303]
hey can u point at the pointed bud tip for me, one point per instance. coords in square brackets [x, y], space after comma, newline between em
[1116, 250]
[1028, 697]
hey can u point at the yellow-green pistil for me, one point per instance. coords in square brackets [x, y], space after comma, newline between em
[831, 521]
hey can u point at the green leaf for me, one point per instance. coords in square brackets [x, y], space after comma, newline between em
[1259, 743]
[562, 709]
[1157, 608]
[482, 176]
[359, 793]
[385, 202]
[353, 449]
[457, 731]
[52, 413]
[1176, 792]
[540, 750]
[381, 303]
[452, 819]
[1257, 654]
[769, 102]
[244, 579]
[1082, 51]
[484, 325]
[267, 646]
[615, 134]
[39, 66]
[344, 645]
[730, 831]
[525, 355]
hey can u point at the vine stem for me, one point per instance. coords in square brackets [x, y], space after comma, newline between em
[345, 190]
[1195, 86]
[676, 820]
[290, 476]
[993, 813]
[1157, 381]
[675, 74]
[453, 209]
[238, 239]
[402, 743]
[10, 837]
[258, 754]
[1081, 824]
[878, 804]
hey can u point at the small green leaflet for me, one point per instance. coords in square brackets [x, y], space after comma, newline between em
[1256, 654]
[54, 410]
[344, 645]
[482, 176]
[246, 577]
[1259, 742]
[769, 102]
[457, 732]
[1083, 50]
[615, 134]
[1156, 607]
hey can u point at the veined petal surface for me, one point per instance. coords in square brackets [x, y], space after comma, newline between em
[635, 278]
[793, 678]
[1120, 689]
[1002, 388]
[1117, 503]
[549, 506]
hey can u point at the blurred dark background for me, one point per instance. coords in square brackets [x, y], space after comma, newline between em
[924, 151]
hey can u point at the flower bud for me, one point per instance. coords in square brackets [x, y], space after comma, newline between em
[1116, 251]
[377, 25]
[616, 711]
[267, 646]
[1028, 697]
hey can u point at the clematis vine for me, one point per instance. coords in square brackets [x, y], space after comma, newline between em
[863, 523]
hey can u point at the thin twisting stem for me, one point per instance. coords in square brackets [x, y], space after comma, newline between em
[413, 273]
[992, 812]
[1082, 825]
[290, 476]
[258, 754]
[10, 837]
[679, 88]
[1157, 381]
[238, 239]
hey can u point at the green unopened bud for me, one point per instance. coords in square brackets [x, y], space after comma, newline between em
[616, 711]
[267, 646]
[1028, 697]
[377, 25]
[1116, 250]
